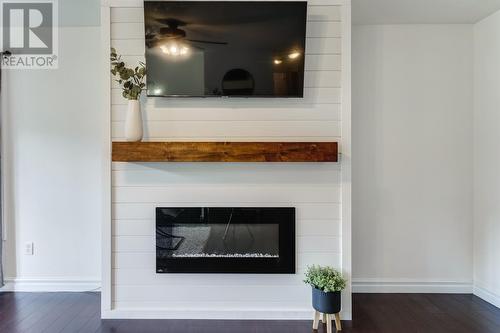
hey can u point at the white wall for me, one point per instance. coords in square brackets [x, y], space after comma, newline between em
[487, 159]
[314, 189]
[52, 141]
[412, 142]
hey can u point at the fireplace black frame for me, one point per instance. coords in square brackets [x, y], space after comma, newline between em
[285, 264]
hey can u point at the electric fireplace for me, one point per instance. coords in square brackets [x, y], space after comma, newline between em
[225, 240]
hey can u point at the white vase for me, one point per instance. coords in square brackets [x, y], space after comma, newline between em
[133, 121]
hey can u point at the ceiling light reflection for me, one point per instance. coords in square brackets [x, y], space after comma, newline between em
[294, 55]
[175, 49]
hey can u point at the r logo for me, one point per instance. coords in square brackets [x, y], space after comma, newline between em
[28, 27]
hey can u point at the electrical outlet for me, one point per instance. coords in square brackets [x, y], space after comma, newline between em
[28, 248]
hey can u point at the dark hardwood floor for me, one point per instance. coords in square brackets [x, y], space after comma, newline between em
[372, 313]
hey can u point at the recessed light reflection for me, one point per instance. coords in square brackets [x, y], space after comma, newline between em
[294, 55]
[278, 61]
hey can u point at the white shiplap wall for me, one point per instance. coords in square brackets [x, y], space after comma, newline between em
[314, 189]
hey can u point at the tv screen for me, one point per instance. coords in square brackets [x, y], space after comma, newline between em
[225, 48]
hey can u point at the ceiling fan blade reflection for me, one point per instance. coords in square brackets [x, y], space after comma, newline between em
[207, 42]
[150, 36]
[172, 22]
[152, 43]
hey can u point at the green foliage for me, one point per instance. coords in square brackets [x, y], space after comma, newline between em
[131, 79]
[325, 278]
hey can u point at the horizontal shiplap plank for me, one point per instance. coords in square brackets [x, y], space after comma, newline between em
[155, 130]
[323, 46]
[147, 276]
[134, 244]
[317, 45]
[135, 30]
[127, 30]
[314, 13]
[329, 62]
[171, 174]
[324, 13]
[124, 211]
[243, 139]
[129, 47]
[219, 193]
[306, 259]
[165, 113]
[311, 96]
[133, 227]
[322, 2]
[323, 29]
[319, 244]
[322, 78]
[126, 262]
[127, 14]
[305, 244]
[203, 293]
[229, 168]
[304, 227]
[318, 227]
[179, 308]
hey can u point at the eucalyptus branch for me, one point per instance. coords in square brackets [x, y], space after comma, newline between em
[130, 79]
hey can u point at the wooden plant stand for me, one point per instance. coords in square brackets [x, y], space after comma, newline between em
[326, 318]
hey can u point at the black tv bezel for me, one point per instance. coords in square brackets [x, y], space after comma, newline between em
[298, 96]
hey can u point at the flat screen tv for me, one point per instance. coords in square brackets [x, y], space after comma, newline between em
[225, 48]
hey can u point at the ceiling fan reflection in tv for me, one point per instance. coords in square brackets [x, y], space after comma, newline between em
[170, 38]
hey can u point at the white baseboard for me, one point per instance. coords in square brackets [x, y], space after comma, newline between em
[219, 314]
[486, 295]
[51, 285]
[410, 286]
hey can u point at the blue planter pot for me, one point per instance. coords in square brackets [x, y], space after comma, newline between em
[326, 302]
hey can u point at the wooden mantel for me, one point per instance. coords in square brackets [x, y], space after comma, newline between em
[225, 152]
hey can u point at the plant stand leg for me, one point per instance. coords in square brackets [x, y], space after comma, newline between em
[316, 320]
[328, 324]
[338, 324]
[324, 318]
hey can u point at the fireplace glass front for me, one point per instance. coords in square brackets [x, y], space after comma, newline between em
[225, 240]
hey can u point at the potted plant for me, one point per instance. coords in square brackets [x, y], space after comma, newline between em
[326, 283]
[132, 82]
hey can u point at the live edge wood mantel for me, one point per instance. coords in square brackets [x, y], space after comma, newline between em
[225, 152]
